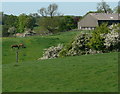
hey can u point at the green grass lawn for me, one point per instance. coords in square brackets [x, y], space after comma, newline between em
[88, 73]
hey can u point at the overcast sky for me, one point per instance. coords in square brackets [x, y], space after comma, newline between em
[66, 8]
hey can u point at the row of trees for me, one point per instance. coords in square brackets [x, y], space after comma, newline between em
[13, 24]
[50, 19]
[18, 24]
[54, 21]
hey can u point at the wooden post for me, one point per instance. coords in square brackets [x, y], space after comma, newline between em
[17, 56]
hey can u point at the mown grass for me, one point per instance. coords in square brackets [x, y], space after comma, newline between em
[88, 73]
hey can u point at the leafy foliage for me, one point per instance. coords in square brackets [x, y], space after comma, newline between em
[51, 24]
[22, 22]
[30, 22]
[69, 22]
[25, 22]
[9, 20]
[97, 41]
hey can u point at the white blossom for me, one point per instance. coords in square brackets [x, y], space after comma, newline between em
[52, 52]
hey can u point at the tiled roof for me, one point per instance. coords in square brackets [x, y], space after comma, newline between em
[105, 16]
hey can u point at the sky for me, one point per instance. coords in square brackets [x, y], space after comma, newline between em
[66, 8]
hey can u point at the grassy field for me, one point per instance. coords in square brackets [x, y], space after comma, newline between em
[87, 73]
[90, 73]
[35, 46]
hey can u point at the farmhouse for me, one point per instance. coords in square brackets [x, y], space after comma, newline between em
[91, 20]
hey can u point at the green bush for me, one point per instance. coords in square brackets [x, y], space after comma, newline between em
[103, 28]
[97, 41]
[65, 50]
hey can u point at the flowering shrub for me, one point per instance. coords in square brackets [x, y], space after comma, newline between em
[52, 52]
[77, 47]
[115, 27]
[112, 41]
[102, 39]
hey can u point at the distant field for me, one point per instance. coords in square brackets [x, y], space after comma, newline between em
[35, 46]
[90, 73]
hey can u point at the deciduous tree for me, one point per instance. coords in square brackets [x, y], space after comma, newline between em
[50, 20]
[103, 7]
[22, 22]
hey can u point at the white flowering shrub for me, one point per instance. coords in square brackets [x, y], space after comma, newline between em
[112, 40]
[115, 27]
[52, 52]
[101, 40]
[77, 47]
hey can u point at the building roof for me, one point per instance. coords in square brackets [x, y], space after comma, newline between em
[105, 16]
[91, 19]
[88, 21]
